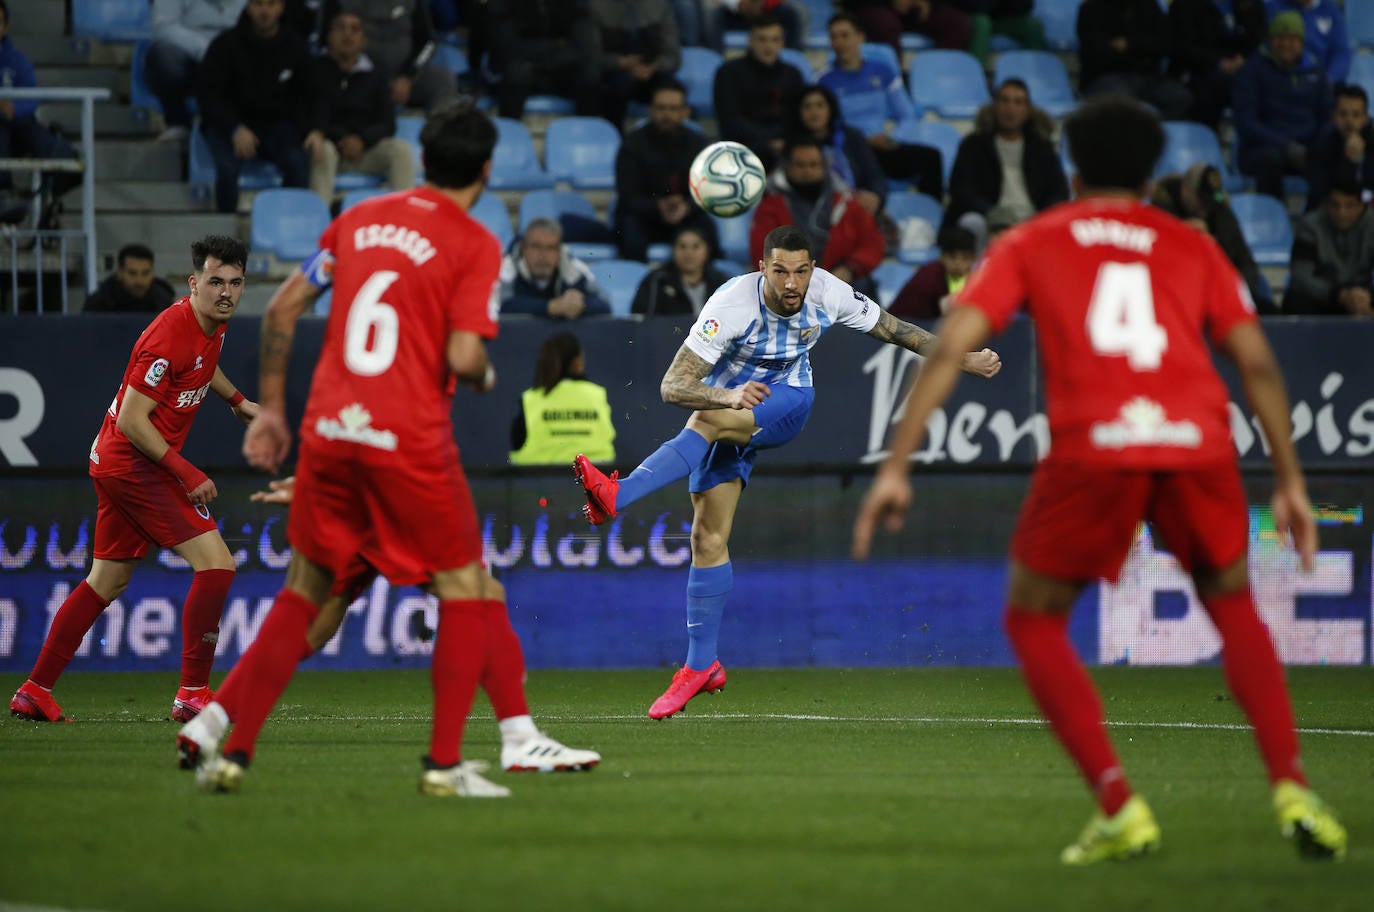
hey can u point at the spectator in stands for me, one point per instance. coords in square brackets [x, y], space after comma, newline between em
[563, 413]
[254, 94]
[354, 118]
[692, 28]
[545, 47]
[22, 136]
[652, 199]
[681, 286]
[947, 26]
[735, 15]
[539, 277]
[1006, 169]
[182, 31]
[873, 99]
[1209, 47]
[847, 152]
[1331, 270]
[1121, 48]
[1014, 19]
[926, 294]
[1197, 196]
[1345, 148]
[133, 287]
[1281, 102]
[639, 47]
[400, 41]
[1325, 36]
[803, 193]
[755, 94]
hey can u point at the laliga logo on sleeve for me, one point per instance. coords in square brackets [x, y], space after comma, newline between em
[708, 329]
[156, 372]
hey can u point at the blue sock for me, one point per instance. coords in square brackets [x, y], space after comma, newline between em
[707, 589]
[665, 465]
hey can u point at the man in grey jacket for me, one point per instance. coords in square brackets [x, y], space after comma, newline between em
[182, 30]
[400, 41]
[1331, 271]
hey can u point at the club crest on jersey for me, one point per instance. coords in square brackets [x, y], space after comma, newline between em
[708, 329]
[156, 372]
[808, 333]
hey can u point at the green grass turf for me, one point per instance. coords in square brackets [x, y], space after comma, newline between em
[801, 789]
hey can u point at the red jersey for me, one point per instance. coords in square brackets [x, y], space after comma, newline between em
[1124, 298]
[407, 270]
[173, 362]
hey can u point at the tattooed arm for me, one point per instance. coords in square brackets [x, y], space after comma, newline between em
[982, 363]
[268, 440]
[682, 386]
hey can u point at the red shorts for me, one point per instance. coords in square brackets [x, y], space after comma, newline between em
[404, 522]
[143, 507]
[1079, 522]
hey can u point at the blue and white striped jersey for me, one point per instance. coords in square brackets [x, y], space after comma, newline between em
[744, 340]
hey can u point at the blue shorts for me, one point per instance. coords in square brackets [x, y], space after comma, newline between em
[778, 418]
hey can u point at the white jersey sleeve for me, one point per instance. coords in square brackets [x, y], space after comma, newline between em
[726, 317]
[849, 307]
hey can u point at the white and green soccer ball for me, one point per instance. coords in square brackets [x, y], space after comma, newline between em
[727, 179]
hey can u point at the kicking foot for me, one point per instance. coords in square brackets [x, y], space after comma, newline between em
[601, 490]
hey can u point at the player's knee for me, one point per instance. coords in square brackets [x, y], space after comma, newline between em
[708, 545]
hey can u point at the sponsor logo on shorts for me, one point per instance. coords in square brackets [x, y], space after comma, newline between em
[156, 372]
[354, 424]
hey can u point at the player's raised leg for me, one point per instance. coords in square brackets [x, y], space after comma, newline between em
[672, 461]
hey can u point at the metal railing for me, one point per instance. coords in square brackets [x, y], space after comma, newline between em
[84, 163]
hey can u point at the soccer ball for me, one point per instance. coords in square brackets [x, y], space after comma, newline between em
[726, 179]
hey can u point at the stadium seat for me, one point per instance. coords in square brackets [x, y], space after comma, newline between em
[287, 222]
[1267, 227]
[450, 58]
[408, 128]
[348, 181]
[890, 277]
[514, 165]
[911, 41]
[552, 105]
[1000, 44]
[951, 83]
[254, 174]
[556, 204]
[1359, 24]
[942, 136]
[734, 236]
[1060, 18]
[581, 151]
[491, 212]
[1187, 143]
[817, 36]
[698, 73]
[733, 268]
[799, 60]
[1043, 73]
[112, 20]
[659, 253]
[140, 96]
[905, 205]
[620, 279]
[354, 197]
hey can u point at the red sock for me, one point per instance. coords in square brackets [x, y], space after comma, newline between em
[1068, 700]
[260, 677]
[454, 671]
[1255, 676]
[73, 619]
[200, 624]
[503, 675]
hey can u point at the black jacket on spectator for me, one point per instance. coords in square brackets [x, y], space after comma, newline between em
[113, 297]
[753, 102]
[662, 294]
[1200, 36]
[249, 80]
[1141, 21]
[975, 184]
[352, 104]
[1326, 261]
[1326, 162]
[652, 164]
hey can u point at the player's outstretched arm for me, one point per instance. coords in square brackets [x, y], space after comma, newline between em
[982, 363]
[268, 440]
[1264, 388]
[682, 386]
[889, 496]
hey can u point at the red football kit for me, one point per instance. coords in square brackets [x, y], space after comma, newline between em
[1124, 298]
[378, 474]
[140, 502]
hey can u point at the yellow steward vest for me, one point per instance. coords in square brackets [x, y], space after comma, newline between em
[574, 418]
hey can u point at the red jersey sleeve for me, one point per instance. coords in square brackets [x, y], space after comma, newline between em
[151, 366]
[1228, 301]
[998, 286]
[476, 301]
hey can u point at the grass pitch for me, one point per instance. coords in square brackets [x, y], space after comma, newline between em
[804, 789]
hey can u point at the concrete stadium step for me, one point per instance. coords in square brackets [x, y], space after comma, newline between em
[170, 232]
[36, 17]
[128, 160]
[84, 77]
[111, 119]
[55, 50]
[150, 196]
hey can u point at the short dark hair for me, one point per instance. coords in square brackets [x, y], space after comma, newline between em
[669, 83]
[787, 237]
[764, 20]
[1347, 184]
[846, 16]
[128, 251]
[5, 11]
[228, 250]
[1016, 82]
[457, 140]
[800, 141]
[1351, 90]
[1115, 142]
[956, 239]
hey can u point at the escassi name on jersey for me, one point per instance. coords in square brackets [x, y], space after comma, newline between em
[407, 240]
[1088, 232]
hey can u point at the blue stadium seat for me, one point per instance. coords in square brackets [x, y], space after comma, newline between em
[890, 277]
[1267, 227]
[698, 73]
[348, 181]
[354, 197]
[1187, 143]
[112, 20]
[514, 165]
[817, 36]
[556, 204]
[620, 279]
[734, 236]
[1000, 44]
[491, 212]
[908, 204]
[1043, 73]
[1060, 18]
[581, 151]
[951, 83]
[553, 105]
[287, 222]
[799, 60]
[254, 174]
[733, 268]
[942, 136]
[450, 58]
[1359, 24]
[140, 96]
[911, 41]
[408, 128]
[659, 253]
